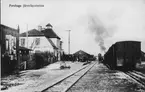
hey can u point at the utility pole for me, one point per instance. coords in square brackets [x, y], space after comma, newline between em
[27, 35]
[69, 41]
[17, 48]
[25, 63]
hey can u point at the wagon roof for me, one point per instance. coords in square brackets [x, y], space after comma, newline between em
[127, 41]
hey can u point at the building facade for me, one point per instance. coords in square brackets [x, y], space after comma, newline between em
[41, 40]
[36, 43]
[9, 38]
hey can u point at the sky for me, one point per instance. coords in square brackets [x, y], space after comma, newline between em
[94, 24]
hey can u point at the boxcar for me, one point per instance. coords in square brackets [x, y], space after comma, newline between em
[123, 55]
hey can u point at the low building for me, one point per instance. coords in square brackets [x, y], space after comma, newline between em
[82, 56]
[9, 38]
[24, 56]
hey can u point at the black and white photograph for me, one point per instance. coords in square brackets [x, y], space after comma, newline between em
[72, 46]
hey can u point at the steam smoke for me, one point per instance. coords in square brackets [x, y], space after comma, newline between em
[97, 27]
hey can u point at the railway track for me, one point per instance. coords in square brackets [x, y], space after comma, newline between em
[65, 84]
[138, 77]
[139, 73]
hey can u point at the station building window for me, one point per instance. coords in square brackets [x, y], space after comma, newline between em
[37, 41]
[23, 42]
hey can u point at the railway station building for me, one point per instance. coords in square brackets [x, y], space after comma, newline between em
[42, 40]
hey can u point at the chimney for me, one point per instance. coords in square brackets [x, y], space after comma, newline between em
[39, 28]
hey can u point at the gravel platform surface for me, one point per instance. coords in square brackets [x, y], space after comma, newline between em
[101, 79]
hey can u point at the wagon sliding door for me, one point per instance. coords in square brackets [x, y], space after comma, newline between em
[119, 54]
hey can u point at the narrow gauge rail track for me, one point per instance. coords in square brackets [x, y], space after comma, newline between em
[65, 84]
[138, 77]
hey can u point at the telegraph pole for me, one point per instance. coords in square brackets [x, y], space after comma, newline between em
[27, 35]
[68, 41]
[17, 48]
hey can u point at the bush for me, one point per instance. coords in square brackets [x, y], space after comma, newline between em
[41, 59]
[31, 64]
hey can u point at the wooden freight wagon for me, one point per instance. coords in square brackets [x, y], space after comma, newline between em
[123, 55]
[110, 57]
[9, 48]
[128, 54]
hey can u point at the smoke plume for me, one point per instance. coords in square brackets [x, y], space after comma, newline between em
[98, 28]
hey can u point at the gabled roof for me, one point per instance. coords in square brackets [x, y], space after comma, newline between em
[51, 42]
[32, 32]
[50, 33]
[9, 30]
[80, 52]
[4, 26]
